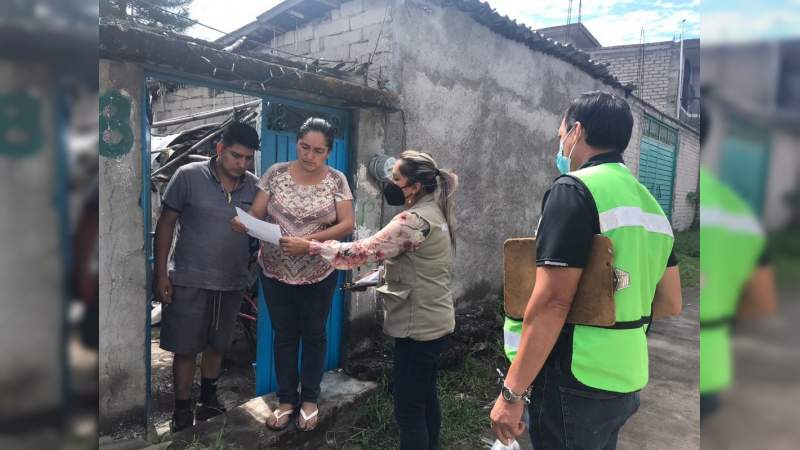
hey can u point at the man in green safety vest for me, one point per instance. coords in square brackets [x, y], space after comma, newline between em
[584, 380]
[736, 278]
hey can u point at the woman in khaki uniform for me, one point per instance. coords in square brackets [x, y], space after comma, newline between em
[417, 248]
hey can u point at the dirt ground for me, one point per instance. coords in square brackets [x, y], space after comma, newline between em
[760, 410]
[235, 387]
[668, 417]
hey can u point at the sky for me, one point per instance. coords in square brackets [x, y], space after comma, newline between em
[613, 22]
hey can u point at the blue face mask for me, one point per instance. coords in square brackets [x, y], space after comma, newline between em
[563, 162]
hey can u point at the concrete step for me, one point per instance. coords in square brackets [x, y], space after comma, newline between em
[244, 426]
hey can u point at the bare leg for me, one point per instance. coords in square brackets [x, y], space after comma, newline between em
[183, 374]
[211, 363]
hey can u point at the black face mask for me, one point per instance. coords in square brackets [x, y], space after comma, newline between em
[394, 194]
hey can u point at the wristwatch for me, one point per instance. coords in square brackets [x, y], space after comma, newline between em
[512, 397]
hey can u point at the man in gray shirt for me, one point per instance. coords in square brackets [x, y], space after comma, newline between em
[202, 288]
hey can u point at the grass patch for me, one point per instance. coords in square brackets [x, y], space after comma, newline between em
[687, 249]
[465, 396]
[219, 441]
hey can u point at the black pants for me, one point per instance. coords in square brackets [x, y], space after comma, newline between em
[299, 311]
[564, 416]
[416, 405]
[709, 404]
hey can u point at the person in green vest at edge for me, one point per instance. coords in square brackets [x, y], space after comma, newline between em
[736, 279]
[581, 383]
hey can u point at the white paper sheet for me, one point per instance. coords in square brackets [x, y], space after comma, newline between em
[370, 279]
[265, 231]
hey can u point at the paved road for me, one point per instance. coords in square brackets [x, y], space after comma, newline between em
[761, 409]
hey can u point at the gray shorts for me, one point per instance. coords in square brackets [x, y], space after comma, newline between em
[198, 319]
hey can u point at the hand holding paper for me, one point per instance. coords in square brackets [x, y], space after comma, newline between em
[265, 231]
[370, 280]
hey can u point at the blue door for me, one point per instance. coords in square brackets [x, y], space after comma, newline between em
[279, 124]
[743, 165]
[657, 159]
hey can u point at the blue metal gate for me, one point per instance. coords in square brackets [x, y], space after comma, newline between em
[279, 123]
[745, 160]
[657, 160]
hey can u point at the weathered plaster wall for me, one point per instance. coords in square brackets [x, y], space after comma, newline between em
[124, 348]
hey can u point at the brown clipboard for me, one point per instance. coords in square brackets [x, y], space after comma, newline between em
[594, 300]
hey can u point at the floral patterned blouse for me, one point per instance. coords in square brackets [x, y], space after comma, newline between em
[404, 233]
[300, 210]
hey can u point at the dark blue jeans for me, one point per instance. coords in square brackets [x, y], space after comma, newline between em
[299, 312]
[564, 415]
[416, 404]
[709, 404]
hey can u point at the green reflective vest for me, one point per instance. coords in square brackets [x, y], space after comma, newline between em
[615, 358]
[731, 242]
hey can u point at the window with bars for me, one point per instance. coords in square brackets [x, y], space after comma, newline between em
[655, 129]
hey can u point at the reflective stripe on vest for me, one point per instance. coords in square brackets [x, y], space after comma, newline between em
[512, 333]
[632, 216]
[615, 358]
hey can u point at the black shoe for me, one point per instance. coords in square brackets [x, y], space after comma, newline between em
[209, 409]
[181, 419]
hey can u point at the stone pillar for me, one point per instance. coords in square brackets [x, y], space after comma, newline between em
[124, 337]
[31, 263]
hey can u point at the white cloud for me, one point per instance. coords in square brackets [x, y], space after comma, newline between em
[613, 22]
[738, 26]
[225, 15]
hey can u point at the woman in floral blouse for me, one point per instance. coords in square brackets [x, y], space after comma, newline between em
[417, 248]
[305, 198]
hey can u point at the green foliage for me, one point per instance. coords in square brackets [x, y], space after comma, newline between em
[466, 394]
[687, 249]
[169, 14]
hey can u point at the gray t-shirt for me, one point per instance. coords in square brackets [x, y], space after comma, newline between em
[208, 253]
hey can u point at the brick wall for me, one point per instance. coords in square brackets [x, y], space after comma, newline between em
[686, 177]
[661, 71]
[347, 33]
[190, 100]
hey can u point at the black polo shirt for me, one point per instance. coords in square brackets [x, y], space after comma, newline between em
[568, 223]
[570, 220]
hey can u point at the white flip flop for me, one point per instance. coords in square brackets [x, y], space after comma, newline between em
[307, 418]
[278, 416]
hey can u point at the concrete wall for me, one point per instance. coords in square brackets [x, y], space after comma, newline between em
[494, 124]
[31, 271]
[363, 312]
[661, 71]
[730, 73]
[782, 179]
[124, 346]
[190, 100]
[489, 109]
[347, 33]
[687, 172]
